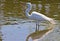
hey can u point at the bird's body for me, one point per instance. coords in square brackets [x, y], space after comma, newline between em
[38, 16]
[35, 15]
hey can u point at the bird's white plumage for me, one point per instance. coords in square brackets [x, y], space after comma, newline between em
[37, 16]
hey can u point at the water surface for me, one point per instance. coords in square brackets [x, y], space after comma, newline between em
[14, 26]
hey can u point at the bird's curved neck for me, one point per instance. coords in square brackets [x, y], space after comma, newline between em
[29, 7]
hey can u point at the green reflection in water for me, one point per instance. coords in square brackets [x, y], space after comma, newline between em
[38, 34]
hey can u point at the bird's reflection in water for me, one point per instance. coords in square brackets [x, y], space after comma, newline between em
[38, 35]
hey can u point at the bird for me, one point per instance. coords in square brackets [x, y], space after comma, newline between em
[38, 17]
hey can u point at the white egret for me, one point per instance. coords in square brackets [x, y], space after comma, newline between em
[37, 16]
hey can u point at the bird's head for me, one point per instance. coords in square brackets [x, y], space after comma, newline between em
[28, 4]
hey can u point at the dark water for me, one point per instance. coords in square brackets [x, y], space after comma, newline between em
[15, 27]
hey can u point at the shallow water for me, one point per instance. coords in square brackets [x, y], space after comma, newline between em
[19, 32]
[15, 27]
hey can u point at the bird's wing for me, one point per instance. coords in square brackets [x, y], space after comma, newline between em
[38, 16]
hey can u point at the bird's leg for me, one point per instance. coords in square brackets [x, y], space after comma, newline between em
[36, 27]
